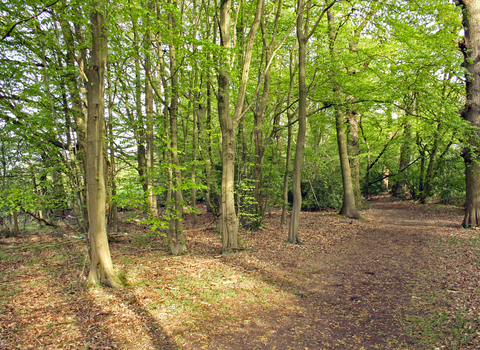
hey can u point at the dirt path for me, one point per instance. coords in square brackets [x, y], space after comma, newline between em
[356, 296]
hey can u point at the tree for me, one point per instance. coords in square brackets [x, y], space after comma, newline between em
[304, 32]
[101, 266]
[470, 48]
[349, 208]
[228, 124]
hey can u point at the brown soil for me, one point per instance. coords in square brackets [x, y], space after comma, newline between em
[353, 284]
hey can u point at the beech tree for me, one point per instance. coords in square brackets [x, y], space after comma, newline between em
[304, 32]
[228, 124]
[101, 266]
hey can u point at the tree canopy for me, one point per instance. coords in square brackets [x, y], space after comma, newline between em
[213, 102]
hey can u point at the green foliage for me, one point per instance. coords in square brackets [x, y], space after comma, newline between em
[395, 64]
[323, 190]
[250, 218]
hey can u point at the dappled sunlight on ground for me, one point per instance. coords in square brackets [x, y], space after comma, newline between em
[352, 284]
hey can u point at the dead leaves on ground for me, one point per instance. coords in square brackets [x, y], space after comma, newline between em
[340, 289]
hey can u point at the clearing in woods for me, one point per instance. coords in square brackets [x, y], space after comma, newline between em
[407, 276]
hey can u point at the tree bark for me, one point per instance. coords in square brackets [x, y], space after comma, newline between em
[15, 229]
[113, 208]
[348, 208]
[101, 266]
[149, 156]
[293, 236]
[193, 195]
[352, 116]
[180, 241]
[229, 219]
[429, 175]
[289, 147]
[139, 124]
[354, 151]
[470, 48]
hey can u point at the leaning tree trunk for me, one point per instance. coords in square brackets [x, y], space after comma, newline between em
[101, 266]
[471, 50]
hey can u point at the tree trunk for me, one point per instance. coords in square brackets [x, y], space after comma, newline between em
[77, 110]
[258, 119]
[229, 219]
[421, 182]
[289, 148]
[139, 124]
[470, 48]
[112, 209]
[352, 116]
[193, 195]
[149, 156]
[293, 236]
[400, 187]
[287, 173]
[354, 151]
[15, 223]
[348, 208]
[181, 245]
[228, 125]
[207, 155]
[101, 266]
[169, 208]
[429, 175]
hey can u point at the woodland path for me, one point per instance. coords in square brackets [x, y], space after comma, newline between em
[358, 294]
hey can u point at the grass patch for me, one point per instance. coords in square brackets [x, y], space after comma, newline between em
[5, 256]
[455, 330]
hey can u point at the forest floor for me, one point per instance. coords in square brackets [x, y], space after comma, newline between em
[405, 277]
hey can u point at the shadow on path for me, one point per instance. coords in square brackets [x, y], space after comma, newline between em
[356, 296]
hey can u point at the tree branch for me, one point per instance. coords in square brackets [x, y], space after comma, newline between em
[390, 175]
[27, 19]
